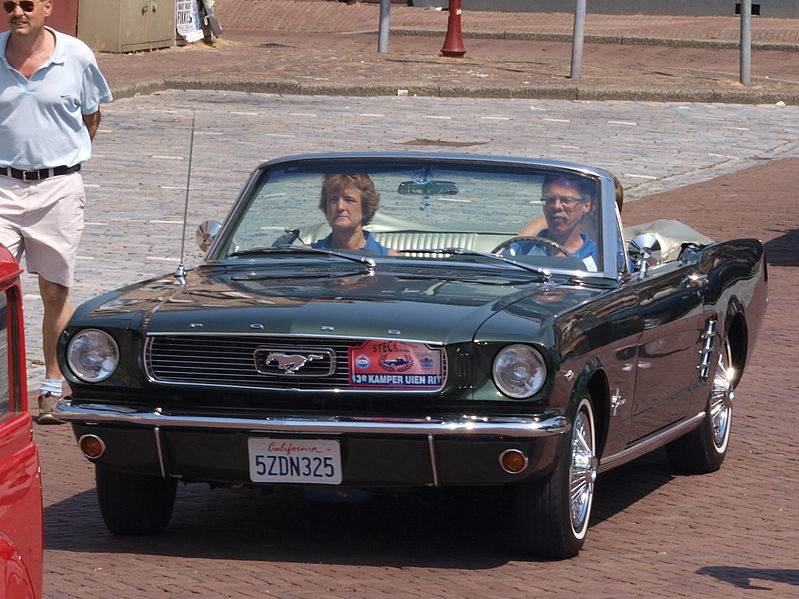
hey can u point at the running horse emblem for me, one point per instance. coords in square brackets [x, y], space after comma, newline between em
[290, 363]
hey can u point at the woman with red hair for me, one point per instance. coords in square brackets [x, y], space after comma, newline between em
[349, 201]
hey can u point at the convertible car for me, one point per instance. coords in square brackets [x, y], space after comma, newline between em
[398, 321]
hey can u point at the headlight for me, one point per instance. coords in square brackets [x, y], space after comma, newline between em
[519, 371]
[92, 355]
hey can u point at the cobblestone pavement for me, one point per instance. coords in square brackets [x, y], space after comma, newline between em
[728, 534]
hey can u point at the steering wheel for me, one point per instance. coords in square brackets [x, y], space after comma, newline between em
[535, 238]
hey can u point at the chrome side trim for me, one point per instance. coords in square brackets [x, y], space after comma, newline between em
[647, 445]
[529, 427]
[708, 339]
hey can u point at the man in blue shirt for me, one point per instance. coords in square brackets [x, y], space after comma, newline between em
[50, 96]
[565, 204]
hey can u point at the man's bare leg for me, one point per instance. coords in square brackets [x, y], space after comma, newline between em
[57, 310]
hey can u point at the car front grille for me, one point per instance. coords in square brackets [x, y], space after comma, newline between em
[250, 361]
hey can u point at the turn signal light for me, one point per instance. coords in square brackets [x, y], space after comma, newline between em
[513, 461]
[92, 446]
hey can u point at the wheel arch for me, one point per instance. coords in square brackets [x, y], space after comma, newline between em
[594, 383]
[737, 335]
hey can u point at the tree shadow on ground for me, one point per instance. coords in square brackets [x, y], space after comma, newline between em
[444, 528]
[742, 577]
[783, 250]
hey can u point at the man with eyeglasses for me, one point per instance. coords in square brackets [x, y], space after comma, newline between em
[50, 95]
[565, 203]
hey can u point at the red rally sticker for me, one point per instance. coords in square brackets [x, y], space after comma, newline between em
[395, 364]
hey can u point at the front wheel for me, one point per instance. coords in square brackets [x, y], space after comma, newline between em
[552, 515]
[704, 448]
[134, 504]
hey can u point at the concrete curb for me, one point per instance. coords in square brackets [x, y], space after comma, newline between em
[565, 91]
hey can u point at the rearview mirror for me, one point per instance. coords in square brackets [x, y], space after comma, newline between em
[428, 188]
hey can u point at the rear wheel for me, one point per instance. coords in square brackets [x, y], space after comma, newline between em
[704, 448]
[134, 504]
[552, 515]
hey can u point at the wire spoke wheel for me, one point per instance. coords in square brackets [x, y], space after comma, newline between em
[721, 400]
[582, 473]
[552, 514]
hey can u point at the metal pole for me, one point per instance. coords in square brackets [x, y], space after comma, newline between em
[746, 42]
[382, 38]
[577, 39]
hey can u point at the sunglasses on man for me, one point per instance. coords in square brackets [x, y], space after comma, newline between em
[25, 5]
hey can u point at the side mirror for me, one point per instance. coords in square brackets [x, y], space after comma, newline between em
[206, 233]
[645, 250]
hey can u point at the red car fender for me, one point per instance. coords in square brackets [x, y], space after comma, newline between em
[15, 581]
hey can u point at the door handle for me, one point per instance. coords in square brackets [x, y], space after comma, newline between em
[695, 280]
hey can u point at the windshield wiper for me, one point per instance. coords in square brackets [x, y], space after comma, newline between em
[542, 272]
[299, 249]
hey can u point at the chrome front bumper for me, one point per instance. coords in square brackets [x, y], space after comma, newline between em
[521, 427]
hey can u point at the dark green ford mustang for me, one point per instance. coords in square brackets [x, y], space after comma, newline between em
[411, 320]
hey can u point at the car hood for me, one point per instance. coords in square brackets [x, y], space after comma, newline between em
[447, 308]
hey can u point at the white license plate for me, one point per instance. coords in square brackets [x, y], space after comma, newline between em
[314, 461]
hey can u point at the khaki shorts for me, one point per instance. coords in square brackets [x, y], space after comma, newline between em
[44, 221]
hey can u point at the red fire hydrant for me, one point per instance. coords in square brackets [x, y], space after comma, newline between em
[453, 44]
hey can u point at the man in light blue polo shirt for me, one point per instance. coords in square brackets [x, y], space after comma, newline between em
[50, 96]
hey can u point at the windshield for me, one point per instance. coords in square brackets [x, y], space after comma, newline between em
[411, 210]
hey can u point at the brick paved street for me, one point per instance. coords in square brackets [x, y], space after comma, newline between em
[319, 15]
[317, 47]
[729, 534]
